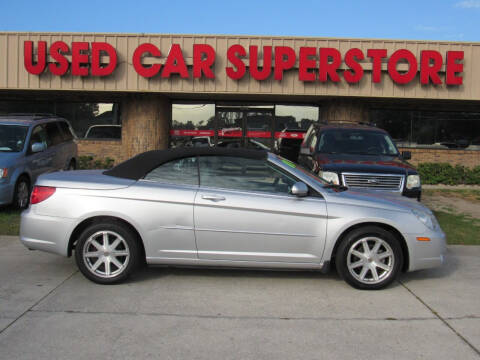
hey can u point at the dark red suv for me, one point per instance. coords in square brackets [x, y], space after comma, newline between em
[359, 157]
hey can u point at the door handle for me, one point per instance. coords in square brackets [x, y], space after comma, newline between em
[213, 197]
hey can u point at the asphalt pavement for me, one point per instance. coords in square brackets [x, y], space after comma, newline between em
[48, 310]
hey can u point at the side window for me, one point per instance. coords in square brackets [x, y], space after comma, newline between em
[66, 131]
[243, 174]
[39, 135]
[181, 172]
[54, 134]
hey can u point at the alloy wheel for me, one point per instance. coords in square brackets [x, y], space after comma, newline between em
[370, 260]
[106, 254]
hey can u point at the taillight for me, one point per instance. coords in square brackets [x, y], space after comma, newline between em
[41, 193]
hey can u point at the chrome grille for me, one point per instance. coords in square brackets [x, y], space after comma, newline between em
[373, 181]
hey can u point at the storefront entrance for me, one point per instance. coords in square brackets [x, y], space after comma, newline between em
[244, 127]
[275, 127]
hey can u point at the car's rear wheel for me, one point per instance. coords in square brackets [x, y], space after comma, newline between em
[21, 197]
[369, 258]
[107, 252]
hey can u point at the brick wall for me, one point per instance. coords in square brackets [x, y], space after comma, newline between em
[101, 149]
[469, 158]
[145, 126]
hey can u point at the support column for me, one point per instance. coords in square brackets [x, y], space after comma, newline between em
[344, 111]
[145, 123]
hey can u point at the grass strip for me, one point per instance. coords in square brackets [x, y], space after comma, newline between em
[9, 221]
[460, 229]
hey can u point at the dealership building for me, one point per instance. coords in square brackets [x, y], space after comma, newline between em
[127, 93]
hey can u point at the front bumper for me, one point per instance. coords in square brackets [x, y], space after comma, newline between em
[47, 233]
[427, 254]
[415, 193]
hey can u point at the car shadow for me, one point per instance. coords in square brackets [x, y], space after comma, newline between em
[450, 266]
[148, 273]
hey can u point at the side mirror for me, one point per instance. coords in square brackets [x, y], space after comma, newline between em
[38, 147]
[299, 189]
[305, 151]
[406, 155]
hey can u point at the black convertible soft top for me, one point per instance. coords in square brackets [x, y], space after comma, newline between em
[140, 165]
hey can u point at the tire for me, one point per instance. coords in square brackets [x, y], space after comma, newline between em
[107, 268]
[373, 268]
[21, 196]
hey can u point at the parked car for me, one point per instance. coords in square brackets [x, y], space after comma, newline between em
[29, 146]
[288, 143]
[104, 132]
[359, 157]
[226, 207]
[201, 141]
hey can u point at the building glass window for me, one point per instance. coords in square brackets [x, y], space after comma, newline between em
[430, 129]
[192, 124]
[257, 126]
[88, 120]
[92, 120]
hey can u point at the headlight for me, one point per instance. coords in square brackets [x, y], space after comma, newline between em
[427, 219]
[413, 181]
[329, 176]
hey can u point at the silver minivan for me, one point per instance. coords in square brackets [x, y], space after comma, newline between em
[30, 145]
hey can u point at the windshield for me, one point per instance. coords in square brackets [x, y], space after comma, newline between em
[303, 170]
[12, 137]
[360, 142]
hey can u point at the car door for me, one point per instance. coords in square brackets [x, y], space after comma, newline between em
[39, 162]
[244, 212]
[164, 204]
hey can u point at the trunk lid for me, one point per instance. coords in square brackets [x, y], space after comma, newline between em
[83, 179]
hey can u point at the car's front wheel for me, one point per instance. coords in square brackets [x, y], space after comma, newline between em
[369, 258]
[107, 252]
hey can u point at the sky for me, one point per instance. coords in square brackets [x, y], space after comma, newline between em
[448, 20]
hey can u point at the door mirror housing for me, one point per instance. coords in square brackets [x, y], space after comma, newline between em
[38, 147]
[299, 189]
[406, 155]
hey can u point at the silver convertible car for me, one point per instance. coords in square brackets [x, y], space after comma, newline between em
[226, 207]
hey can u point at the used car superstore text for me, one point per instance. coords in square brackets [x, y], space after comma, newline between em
[311, 67]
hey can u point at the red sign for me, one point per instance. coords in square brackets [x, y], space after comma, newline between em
[238, 133]
[83, 64]
[314, 64]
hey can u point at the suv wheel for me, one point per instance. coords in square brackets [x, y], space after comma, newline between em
[107, 252]
[21, 197]
[369, 258]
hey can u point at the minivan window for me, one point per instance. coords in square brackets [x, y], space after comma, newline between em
[12, 137]
[39, 135]
[66, 131]
[54, 134]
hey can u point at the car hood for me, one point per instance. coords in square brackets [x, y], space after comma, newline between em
[363, 163]
[380, 200]
[7, 159]
[83, 179]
